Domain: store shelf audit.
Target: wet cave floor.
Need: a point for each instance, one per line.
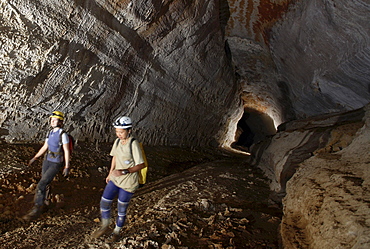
(193, 199)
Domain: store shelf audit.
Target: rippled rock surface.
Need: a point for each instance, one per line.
(321, 50)
(162, 63)
(321, 168)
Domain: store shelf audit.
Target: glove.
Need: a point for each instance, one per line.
(65, 172)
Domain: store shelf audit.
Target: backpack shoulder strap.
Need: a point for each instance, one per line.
(132, 140)
(116, 142)
(61, 139)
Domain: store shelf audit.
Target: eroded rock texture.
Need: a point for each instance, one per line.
(247, 36)
(321, 168)
(165, 63)
(299, 140)
(327, 202)
(313, 62)
(161, 62)
(321, 51)
(297, 59)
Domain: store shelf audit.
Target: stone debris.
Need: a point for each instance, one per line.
(198, 207)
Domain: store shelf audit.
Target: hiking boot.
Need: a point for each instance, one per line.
(115, 237)
(33, 214)
(102, 230)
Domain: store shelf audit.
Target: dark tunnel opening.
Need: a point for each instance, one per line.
(252, 128)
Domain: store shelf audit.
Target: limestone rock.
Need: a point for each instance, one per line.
(321, 51)
(280, 155)
(162, 63)
(327, 201)
(299, 59)
(323, 172)
(261, 91)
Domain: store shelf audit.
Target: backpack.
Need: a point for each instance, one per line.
(71, 143)
(143, 172)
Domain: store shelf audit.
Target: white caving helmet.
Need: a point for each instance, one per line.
(123, 123)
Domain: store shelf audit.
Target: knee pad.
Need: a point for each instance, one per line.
(122, 207)
(105, 204)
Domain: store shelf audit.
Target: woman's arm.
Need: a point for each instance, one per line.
(112, 169)
(120, 172)
(136, 168)
(67, 155)
(67, 158)
(42, 150)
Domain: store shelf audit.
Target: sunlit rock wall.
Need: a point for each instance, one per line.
(161, 62)
(322, 52)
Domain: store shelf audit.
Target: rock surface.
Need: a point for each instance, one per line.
(298, 59)
(247, 34)
(321, 166)
(321, 51)
(296, 141)
(161, 62)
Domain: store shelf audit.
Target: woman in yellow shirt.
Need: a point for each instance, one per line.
(122, 179)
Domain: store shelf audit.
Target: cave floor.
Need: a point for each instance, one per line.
(193, 199)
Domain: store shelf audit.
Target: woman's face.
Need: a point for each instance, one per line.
(122, 133)
(54, 122)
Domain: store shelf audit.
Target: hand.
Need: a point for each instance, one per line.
(116, 173)
(120, 172)
(65, 172)
(31, 161)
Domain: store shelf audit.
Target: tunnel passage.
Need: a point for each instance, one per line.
(252, 127)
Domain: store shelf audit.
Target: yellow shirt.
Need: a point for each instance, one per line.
(127, 157)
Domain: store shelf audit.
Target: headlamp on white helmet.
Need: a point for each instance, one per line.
(123, 123)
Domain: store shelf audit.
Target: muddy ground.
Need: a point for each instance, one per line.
(193, 199)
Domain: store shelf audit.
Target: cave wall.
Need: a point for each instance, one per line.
(321, 51)
(161, 62)
(319, 163)
(319, 170)
(279, 156)
(297, 59)
(327, 200)
(247, 35)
